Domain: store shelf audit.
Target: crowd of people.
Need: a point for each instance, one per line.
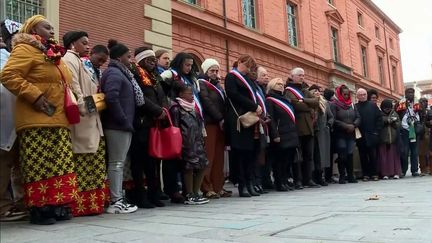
(280, 134)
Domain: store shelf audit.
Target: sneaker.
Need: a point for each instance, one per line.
(365, 178)
(396, 177)
(121, 207)
(385, 178)
(201, 200)
(13, 214)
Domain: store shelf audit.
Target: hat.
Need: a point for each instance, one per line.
(72, 36)
(386, 103)
(314, 86)
(208, 63)
(31, 22)
(116, 49)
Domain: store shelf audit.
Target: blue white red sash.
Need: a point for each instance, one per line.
(212, 86)
(286, 107)
(243, 80)
(261, 103)
(297, 93)
(198, 106)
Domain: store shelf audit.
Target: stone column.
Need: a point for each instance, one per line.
(160, 35)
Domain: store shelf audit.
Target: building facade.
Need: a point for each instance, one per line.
(335, 41)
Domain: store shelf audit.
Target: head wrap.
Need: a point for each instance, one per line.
(72, 36)
(208, 63)
(144, 54)
(386, 103)
(340, 97)
(117, 49)
(31, 22)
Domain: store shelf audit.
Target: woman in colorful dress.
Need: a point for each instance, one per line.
(88, 144)
(36, 74)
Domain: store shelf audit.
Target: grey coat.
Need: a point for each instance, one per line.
(323, 127)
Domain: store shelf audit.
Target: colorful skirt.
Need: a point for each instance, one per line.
(93, 191)
(47, 166)
(389, 160)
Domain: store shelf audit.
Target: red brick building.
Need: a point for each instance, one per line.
(335, 41)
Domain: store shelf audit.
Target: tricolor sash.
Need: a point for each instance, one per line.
(261, 103)
(243, 80)
(284, 106)
(212, 86)
(297, 93)
(198, 106)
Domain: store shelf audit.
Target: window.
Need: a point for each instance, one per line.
(360, 19)
(381, 69)
(191, 1)
(377, 33)
(292, 24)
(249, 13)
(391, 43)
(335, 44)
(364, 60)
(20, 10)
(394, 74)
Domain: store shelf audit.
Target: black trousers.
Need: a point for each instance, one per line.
(244, 162)
(283, 160)
(143, 163)
(171, 170)
(368, 158)
(266, 169)
(307, 148)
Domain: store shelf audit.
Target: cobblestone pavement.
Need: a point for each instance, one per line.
(338, 213)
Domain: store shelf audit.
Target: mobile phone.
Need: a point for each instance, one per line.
(50, 109)
(90, 104)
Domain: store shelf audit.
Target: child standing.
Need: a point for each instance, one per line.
(388, 156)
(194, 159)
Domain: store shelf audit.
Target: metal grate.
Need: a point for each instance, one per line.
(20, 10)
(248, 7)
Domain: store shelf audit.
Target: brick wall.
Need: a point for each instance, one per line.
(121, 20)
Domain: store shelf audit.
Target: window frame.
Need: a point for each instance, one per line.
(381, 74)
(364, 60)
(253, 17)
(20, 10)
(295, 17)
(360, 21)
(335, 43)
(391, 43)
(377, 32)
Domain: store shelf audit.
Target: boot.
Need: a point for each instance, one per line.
(42, 216)
(319, 178)
(138, 196)
(350, 169)
(252, 191)
(154, 198)
(281, 187)
(62, 212)
(242, 191)
(341, 168)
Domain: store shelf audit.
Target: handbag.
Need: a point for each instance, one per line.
(99, 100)
(165, 143)
(70, 103)
(246, 120)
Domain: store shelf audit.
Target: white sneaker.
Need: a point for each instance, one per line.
(385, 178)
(396, 177)
(121, 207)
(196, 200)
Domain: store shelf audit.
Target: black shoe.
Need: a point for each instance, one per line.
(157, 203)
(163, 196)
(312, 184)
(62, 213)
(258, 189)
(268, 186)
(39, 216)
(352, 180)
(342, 181)
(323, 183)
(243, 192)
(263, 190)
(298, 186)
(252, 191)
(290, 188)
(281, 188)
(415, 174)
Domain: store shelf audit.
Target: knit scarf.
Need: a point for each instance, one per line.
(186, 105)
(139, 96)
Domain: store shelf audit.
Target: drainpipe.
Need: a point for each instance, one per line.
(388, 59)
(226, 39)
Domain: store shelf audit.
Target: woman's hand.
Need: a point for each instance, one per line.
(276, 140)
(162, 115)
(259, 110)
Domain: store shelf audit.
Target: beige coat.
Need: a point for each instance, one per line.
(86, 135)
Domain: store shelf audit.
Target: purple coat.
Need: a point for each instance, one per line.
(119, 98)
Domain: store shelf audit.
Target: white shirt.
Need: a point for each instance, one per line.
(409, 113)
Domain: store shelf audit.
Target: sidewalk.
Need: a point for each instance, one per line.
(338, 213)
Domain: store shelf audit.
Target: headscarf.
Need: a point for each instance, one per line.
(30, 23)
(340, 97)
(72, 36)
(386, 103)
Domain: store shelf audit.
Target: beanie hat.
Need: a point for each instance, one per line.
(208, 63)
(72, 36)
(116, 49)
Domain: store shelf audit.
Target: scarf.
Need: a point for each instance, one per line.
(139, 96)
(340, 100)
(186, 105)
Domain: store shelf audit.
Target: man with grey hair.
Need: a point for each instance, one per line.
(370, 129)
(305, 104)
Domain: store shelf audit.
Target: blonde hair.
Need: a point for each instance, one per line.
(272, 84)
(31, 22)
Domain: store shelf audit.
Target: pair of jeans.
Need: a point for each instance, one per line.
(409, 149)
(118, 143)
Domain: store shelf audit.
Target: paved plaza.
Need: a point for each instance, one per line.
(338, 213)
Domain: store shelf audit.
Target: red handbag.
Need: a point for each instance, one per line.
(70, 103)
(165, 143)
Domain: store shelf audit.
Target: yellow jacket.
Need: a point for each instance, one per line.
(28, 76)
